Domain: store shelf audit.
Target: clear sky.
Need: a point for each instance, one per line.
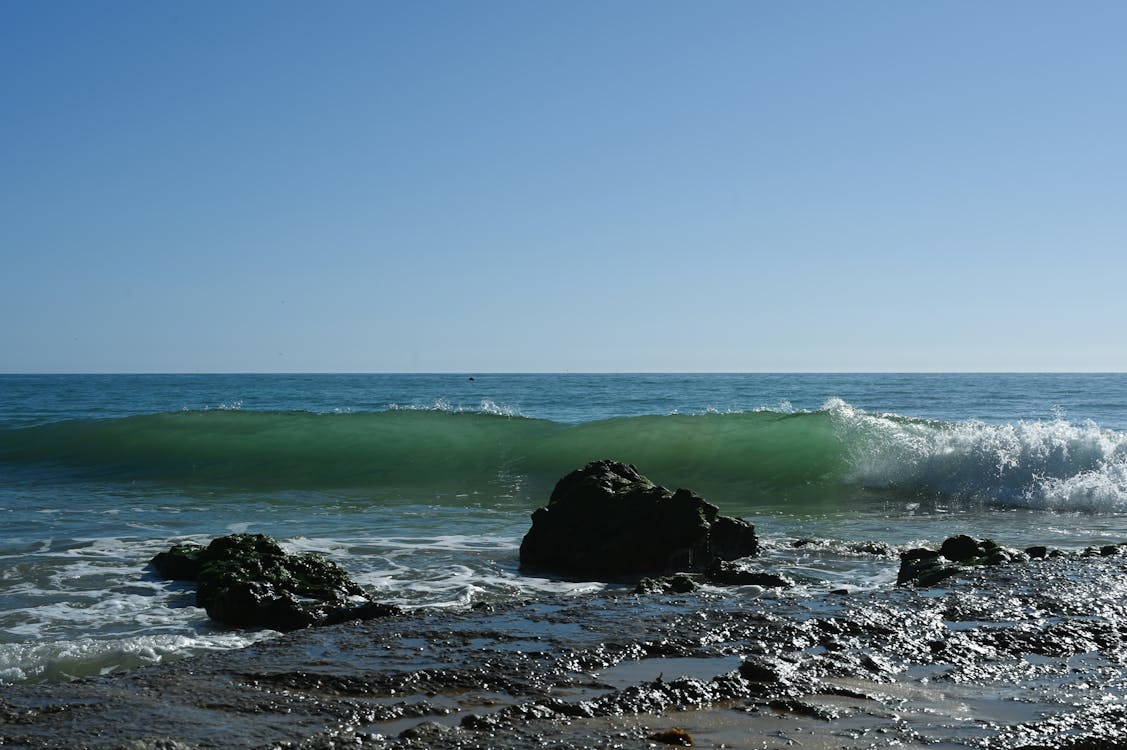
(562, 186)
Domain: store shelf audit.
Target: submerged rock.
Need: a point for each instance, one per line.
(606, 521)
(720, 573)
(247, 580)
(724, 573)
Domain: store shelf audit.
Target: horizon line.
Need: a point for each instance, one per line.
(554, 372)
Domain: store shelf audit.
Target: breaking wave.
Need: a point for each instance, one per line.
(763, 456)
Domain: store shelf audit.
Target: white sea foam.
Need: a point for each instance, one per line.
(1054, 463)
(1100, 489)
(488, 406)
(485, 406)
(439, 570)
(80, 607)
(783, 407)
(447, 542)
(89, 656)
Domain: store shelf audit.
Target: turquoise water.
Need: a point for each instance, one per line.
(422, 484)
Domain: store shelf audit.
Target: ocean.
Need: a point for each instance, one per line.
(422, 485)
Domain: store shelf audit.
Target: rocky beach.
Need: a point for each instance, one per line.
(1017, 655)
(976, 645)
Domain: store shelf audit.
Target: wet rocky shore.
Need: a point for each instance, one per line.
(1022, 654)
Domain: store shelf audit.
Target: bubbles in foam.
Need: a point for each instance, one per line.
(1053, 463)
(489, 406)
(1101, 489)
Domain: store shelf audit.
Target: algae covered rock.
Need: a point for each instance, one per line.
(248, 580)
(180, 563)
(608, 521)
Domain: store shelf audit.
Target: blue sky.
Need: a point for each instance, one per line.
(562, 186)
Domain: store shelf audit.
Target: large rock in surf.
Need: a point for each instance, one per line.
(247, 580)
(608, 521)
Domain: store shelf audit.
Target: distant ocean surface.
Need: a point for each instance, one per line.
(422, 485)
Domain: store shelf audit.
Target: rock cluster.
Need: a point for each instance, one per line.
(247, 580)
(721, 573)
(608, 521)
(926, 567)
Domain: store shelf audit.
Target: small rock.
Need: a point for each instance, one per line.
(678, 737)
(725, 573)
(765, 669)
(678, 584)
(959, 548)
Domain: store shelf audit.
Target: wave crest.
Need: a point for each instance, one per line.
(1053, 464)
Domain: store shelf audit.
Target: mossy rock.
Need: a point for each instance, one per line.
(607, 521)
(248, 580)
(180, 563)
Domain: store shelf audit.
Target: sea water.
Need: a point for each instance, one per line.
(422, 485)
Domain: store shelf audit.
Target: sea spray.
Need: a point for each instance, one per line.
(1053, 463)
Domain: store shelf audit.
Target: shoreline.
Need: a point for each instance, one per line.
(1010, 656)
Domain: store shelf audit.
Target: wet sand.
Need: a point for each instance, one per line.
(1017, 656)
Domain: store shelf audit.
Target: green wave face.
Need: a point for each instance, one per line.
(254, 450)
(759, 453)
(742, 461)
(443, 450)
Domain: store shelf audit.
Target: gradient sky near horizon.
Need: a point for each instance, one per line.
(562, 186)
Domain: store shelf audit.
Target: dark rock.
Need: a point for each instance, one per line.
(180, 563)
(606, 521)
(925, 567)
(721, 573)
(801, 708)
(254, 604)
(677, 584)
(765, 669)
(919, 564)
(677, 737)
(247, 580)
(937, 575)
(364, 611)
(878, 549)
(959, 548)
(1037, 553)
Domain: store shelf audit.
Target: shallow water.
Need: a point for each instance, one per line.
(422, 485)
(1029, 654)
